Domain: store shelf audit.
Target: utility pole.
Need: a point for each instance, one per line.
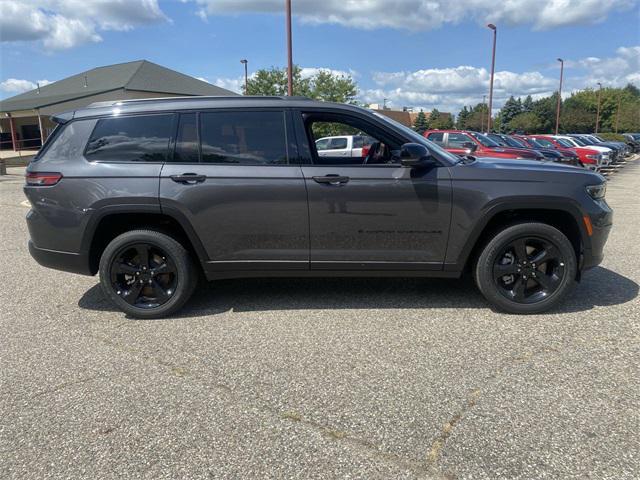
(289, 51)
(493, 67)
(598, 110)
(484, 104)
(246, 77)
(559, 95)
(618, 111)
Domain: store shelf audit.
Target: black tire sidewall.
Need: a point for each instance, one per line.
(180, 256)
(486, 260)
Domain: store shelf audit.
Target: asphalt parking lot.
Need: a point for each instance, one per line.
(341, 378)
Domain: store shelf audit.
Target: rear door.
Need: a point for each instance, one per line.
(232, 182)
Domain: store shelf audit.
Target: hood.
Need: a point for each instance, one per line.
(523, 152)
(520, 165)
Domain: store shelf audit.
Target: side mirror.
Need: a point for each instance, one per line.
(470, 146)
(415, 155)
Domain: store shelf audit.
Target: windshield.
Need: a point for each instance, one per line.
(417, 138)
(579, 141)
(484, 140)
(515, 142)
(496, 138)
(566, 143)
(541, 142)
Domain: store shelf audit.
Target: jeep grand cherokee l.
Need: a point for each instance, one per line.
(154, 193)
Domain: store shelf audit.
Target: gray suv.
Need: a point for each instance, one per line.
(154, 194)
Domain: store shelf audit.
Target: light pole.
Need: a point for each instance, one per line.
(484, 103)
(493, 67)
(246, 78)
(559, 95)
(618, 112)
(598, 110)
(289, 51)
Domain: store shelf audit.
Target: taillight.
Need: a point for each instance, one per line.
(365, 150)
(42, 179)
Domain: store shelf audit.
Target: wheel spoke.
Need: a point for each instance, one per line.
(142, 252)
(123, 267)
(160, 293)
(547, 282)
(505, 269)
(518, 290)
(520, 249)
(544, 255)
(163, 268)
(132, 295)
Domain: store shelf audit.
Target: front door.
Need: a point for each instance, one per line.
(232, 181)
(371, 212)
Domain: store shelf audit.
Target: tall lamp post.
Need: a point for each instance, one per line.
(598, 108)
(493, 67)
(559, 96)
(289, 51)
(484, 104)
(246, 77)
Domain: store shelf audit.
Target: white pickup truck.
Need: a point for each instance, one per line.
(343, 146)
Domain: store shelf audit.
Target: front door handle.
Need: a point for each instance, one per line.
(188, 178)
(332, 179)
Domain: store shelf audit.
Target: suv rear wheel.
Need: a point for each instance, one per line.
(526, 268)
(147, 274)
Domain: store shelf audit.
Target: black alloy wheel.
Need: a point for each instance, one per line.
(528, 270)
(143, 275)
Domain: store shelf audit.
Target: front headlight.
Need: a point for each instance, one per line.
(597, 192)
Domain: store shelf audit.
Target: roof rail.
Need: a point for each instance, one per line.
(192, 98)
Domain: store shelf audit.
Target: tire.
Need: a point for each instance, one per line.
(522, 281)
(147, 285)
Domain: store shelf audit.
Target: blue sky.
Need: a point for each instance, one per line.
(414, 52)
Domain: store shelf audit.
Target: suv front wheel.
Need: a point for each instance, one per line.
(526, 268)
(147, 274)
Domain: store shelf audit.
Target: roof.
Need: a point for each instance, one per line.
(151, 105)
(140, 75)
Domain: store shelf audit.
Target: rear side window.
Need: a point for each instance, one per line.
(244, 138)
(457, 140)
(140, 138)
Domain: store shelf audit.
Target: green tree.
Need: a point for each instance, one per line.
(324, 85)
(463, 116)
(527, 105)
(545, 109)
(439, 120)
(525, 122)
(421, 124)
(511, 108)
(477, 119)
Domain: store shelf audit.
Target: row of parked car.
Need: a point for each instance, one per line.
(587, 150)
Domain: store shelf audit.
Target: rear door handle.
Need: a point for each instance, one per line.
(332, 179)
(188, 178)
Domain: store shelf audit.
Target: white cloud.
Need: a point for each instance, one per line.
(451, 88)
(62, 24)
(427, 14)
(614, 71)
(14, 85)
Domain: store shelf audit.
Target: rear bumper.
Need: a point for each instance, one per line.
(65, 261)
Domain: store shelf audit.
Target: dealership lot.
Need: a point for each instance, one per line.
(340, 378)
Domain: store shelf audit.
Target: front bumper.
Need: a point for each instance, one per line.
(601, 220)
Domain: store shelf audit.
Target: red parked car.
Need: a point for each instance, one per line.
(592, 159)
(462, 142)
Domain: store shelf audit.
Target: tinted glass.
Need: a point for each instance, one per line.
(543, 142)
(187, 147)
(338, 144)
(322, 144)
(457, 140)
(142, 138)
(497, 138)
(244, 138)
(357, 141)
(484, 140)
(437, 137)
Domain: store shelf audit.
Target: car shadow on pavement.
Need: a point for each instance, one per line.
(599, 287)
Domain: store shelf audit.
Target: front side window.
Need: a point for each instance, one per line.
(140, 138)
(339, 143)
(243, 138)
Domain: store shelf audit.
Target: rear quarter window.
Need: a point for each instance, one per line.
(67, 142)
(139, 138)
